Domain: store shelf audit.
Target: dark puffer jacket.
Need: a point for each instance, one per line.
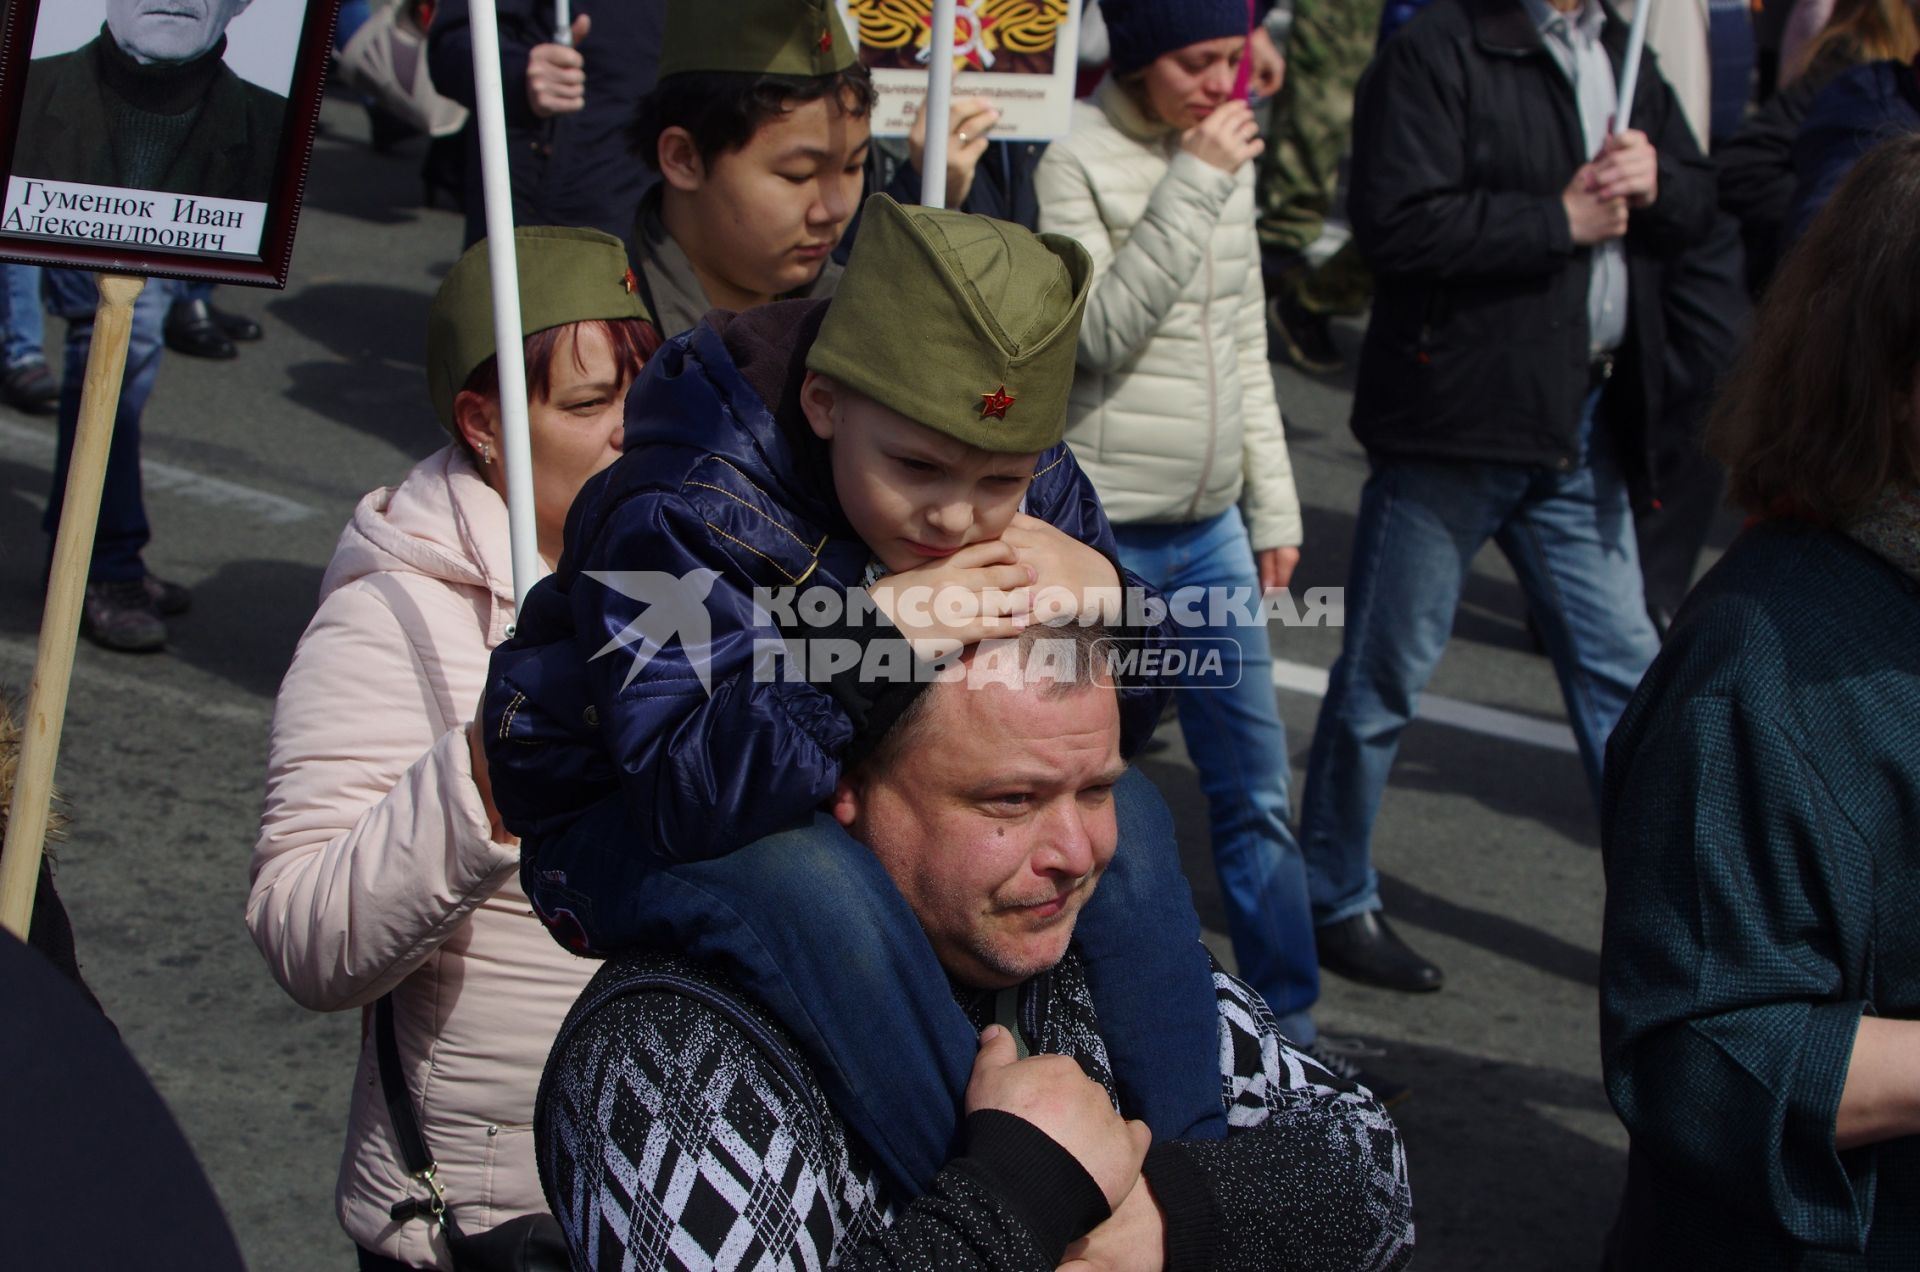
(1856, 111)
(1465, 134)
(708, 758)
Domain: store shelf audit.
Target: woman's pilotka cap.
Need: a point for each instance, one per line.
(567, 275)
(1138, 31)
(962, 323)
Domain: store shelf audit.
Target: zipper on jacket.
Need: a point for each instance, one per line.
(1213, 390)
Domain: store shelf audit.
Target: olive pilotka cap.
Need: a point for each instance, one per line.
(755, 37)
(962, 323)
(566, 276)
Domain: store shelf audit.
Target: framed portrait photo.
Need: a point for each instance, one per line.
(164, 137)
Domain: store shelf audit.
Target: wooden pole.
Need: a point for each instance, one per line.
(66, 588)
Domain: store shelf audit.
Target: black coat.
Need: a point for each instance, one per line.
(230, 153)
(1465, 134)
(1755, 169)
(571, 169)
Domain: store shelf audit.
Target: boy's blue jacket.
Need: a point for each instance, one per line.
(713, 487)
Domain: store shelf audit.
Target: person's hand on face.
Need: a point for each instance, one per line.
(151, 31)
(1269, 66)
(1071, 1109)
(1227, 138)
(968, 123)
(1069, 576)
(557, 75)
(955, 601)
(1133, 1240)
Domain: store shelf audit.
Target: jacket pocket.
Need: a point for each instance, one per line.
(509, 1182)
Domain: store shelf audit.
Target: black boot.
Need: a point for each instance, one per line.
(190, 329)
(234, 326)
(1363, 948)
(1305, 337)
(121, 616)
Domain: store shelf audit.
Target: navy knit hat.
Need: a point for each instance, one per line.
(1141, 30)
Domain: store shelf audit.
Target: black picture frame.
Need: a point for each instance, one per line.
(287, 189)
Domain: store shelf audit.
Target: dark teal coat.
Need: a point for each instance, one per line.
(1761, 828)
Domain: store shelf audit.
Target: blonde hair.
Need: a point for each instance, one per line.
(1862, 31)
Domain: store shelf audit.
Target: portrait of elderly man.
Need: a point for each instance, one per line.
(150, 104)
(678, 1125)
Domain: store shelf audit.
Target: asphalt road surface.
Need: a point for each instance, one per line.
(1487, 843)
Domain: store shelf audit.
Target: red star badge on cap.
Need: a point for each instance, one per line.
(826, 39)
(993, 406)
(631, 283)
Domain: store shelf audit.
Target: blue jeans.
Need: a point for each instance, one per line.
(122, 530)
(1568, 536)
(1239, 745)
(811, 927)
(22, 327)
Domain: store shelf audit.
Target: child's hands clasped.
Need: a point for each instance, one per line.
(951, 602)
(1070, 578)
(1034, 572)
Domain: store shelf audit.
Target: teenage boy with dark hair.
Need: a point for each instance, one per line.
(758, 128)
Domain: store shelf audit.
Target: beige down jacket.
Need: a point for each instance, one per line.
(375, 869)
(1173, 412)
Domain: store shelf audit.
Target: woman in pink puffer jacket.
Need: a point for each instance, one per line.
(381, 867)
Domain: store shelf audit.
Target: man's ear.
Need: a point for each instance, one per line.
(680, 164)
(845, 803)
(476, 418)
(818, 398)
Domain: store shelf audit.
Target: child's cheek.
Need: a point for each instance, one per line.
(994, 519)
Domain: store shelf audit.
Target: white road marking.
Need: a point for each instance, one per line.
(35, 446)
(17, 660)
(1509, 725)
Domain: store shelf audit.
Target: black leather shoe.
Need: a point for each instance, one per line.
(31, 388)
(234, 326)
(190, 329)
(1363, 948)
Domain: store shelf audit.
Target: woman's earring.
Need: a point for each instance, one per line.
(486, 453)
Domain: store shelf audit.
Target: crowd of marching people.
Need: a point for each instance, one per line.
(678, 946)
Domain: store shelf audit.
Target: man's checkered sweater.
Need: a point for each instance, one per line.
(678, 1128)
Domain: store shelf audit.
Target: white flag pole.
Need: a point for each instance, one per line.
(504, 262)
(1630, 66)
(563, 23)
(933, 180)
